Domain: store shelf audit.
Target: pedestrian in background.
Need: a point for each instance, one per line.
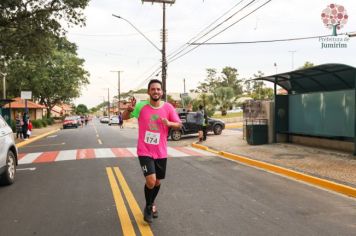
(121, 121)
(29, 131)
(19, 123)
(199, 117)
(205, 126)
(25, 125)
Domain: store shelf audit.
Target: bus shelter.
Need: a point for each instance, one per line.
(320, 102)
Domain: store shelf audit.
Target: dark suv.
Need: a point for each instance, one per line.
(190, 127)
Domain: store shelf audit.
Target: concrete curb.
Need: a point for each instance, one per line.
(326, 184)
(233, 126)
(24, 143)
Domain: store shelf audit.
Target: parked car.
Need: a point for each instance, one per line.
(104, 119)
(114, 120)
(8, 154)
(190, 127)
(70, 121)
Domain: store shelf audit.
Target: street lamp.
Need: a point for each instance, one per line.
(163, 51)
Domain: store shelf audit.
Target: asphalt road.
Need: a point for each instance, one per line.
(201, 195)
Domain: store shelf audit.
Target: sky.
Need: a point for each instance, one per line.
(109, 44)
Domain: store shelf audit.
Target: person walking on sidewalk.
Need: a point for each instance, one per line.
(205, 126)
(29, 131)
(25, 125)
(19, 123)
(199, 116)
(155, 118)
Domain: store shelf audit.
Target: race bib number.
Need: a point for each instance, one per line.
(152, 138)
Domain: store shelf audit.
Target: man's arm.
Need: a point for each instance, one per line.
(173, 125)
(126, 114)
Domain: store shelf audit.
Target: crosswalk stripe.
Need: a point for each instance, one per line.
(29, 158)
(133, 151)
(187, 151)
(67, 155)
(85, 153)
(175, 153)
(202, 152)
(46, 157)
(121, 152)
(104, 153)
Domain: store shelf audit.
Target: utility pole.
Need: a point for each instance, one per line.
(164, 62)
(294, 51)
(109, 103)
(184, 84)
(4, 85)
(118, 87)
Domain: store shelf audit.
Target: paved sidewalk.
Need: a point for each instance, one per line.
(37, 132)
(327, 164)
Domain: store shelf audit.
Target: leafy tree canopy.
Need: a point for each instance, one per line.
(26, 25)
(81, 109)
(55, 79)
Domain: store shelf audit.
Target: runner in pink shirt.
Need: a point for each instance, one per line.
(155, 118)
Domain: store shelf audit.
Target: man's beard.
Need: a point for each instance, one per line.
(155, 99)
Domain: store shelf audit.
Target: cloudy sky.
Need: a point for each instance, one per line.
(108, 44)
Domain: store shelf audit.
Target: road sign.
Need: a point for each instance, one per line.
(161, 1)
(184, 95)
(26, 94)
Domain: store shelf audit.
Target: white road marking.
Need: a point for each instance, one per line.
(133, 151)
(31, 169)
(99, 141)
(67, 155)
(104, 153)
(175, 153)
(52, 136)
(29, 158)
(205, 153)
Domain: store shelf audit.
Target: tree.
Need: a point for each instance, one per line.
(223, 97)
(81, 109)
(257, 89)
(52, 80)
(306, 65)
(210, 83)
(27, 25)
(207, 101)
(229, 79)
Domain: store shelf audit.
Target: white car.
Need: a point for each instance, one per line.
(114, 120)
(104, 119)
(8, 154)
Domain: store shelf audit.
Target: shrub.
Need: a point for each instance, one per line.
(50, 121)
(37, 124)
(44, 122)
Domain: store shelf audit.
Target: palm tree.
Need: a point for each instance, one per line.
(223, 98)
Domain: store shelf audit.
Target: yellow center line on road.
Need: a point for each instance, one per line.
(144, 228)
(126, 225)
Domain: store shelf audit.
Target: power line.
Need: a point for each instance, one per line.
(176, 58)
(218, 25)
(185, 45)
(263, 41)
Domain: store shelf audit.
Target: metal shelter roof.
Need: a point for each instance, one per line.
(326, 77)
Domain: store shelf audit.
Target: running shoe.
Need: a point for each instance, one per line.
(154, 211)
(147, 214)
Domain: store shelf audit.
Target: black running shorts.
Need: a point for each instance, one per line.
(153, 166)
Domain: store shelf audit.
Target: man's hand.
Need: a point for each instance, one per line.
(132, 104)
(166, 122)
(130, 108)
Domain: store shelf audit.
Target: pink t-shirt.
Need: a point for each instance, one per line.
(152, 136)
